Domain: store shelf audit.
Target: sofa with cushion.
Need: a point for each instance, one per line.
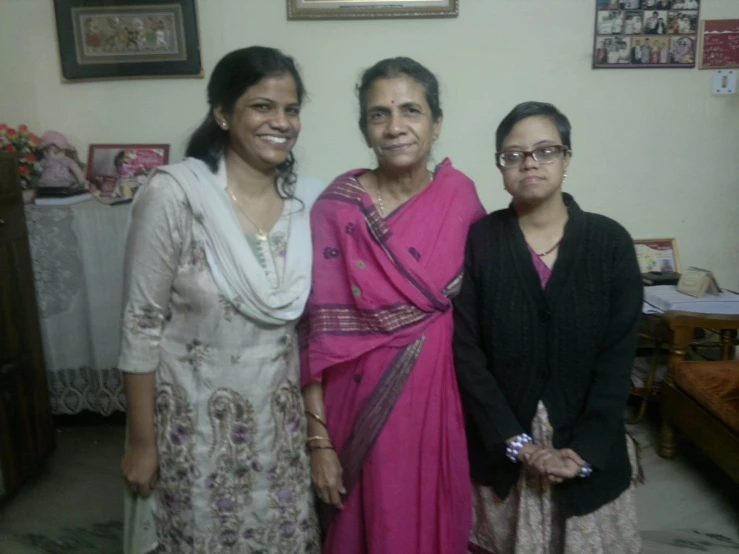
(700, 399)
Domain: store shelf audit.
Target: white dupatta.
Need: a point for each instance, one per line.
(235, 269)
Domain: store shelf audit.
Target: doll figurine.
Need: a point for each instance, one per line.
(60, 166)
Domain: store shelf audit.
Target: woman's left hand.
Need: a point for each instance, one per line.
(564, 464)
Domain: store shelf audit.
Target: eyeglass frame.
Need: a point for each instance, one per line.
(563, 150)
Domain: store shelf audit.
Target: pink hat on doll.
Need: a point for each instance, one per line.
(55, 138)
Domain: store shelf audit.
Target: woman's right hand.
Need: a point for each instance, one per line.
(535, 457)
(327, 474)
(140, 468)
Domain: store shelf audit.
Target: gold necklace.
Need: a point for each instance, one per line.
(261, 233)
(381, 204)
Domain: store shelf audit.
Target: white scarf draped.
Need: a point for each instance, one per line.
(234, 266)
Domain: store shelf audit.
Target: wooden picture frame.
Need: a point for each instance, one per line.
(117, 170)
(657, 255)
(370, 9)
(127, 39)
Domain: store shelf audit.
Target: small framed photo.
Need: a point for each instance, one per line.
(682, 23)
(613, 50)
(655, 22)
(620, 4)
(657, 255)
(370, 9)
(634, 24)
(127, 39)
(116, 171)
(682, 50)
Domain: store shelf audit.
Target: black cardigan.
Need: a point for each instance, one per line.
(571, 346)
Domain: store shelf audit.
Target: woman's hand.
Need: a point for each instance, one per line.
(327, 474)
(564, 464)
(140, 467)
(555, 465)
(535, 458)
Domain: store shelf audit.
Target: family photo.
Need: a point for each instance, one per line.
(648, 4)
(118, 170)
(650, 51)
(641, 33)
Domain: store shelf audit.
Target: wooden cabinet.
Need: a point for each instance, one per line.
(26, 426)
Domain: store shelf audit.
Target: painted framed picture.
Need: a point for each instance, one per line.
(657, 255)
(641, 34)
(116, 171)
(370, 9)
(127, 39)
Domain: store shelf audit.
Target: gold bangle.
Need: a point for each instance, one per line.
(312, 448)
(317, 438)
(317, 418)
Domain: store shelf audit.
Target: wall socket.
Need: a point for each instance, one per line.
(724, 81)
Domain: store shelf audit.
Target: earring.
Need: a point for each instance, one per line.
(224, 125)
(564, 177)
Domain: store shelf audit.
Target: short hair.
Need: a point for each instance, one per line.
(534, 109)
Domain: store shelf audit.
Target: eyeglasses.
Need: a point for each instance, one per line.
(543, 155)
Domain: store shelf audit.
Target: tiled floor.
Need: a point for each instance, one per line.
(687, 505)
(75, 506)
(684, 500)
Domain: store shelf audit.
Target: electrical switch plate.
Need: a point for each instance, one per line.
(724, 81)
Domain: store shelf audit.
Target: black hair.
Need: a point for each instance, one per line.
(534, 109)
(396, 67)
(232, 76)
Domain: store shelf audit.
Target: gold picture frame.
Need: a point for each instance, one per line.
(370, 9)
(657, 255)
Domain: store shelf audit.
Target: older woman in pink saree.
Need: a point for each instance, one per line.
(386, 431)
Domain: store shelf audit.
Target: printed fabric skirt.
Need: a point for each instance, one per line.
(530, 520)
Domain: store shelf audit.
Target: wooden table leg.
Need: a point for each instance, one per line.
(649, 386)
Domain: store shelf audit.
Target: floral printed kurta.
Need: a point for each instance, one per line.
(234, 473)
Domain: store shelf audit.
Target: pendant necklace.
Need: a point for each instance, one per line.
(261, 233)
(552, 249)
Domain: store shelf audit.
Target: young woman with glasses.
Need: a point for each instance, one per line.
(546, 326)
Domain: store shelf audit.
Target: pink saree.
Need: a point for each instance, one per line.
(377, 333)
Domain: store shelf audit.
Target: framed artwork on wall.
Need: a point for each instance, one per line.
(117, 170)
(127, 39)
(370, 9)
(657, 255)
(645, 34)
(719, 44)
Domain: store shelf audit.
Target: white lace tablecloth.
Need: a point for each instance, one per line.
(77, 254)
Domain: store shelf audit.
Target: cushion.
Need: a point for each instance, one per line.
(714, 385)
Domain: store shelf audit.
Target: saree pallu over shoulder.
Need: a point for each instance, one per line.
(382, 281)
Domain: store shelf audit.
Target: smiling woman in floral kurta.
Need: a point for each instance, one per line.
(216, 420)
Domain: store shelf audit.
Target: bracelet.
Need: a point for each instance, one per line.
(317, 418)
(585, 470)
(312, 448)
(514, 449)
(317, 438)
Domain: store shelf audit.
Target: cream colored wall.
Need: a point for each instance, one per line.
(653, 148)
